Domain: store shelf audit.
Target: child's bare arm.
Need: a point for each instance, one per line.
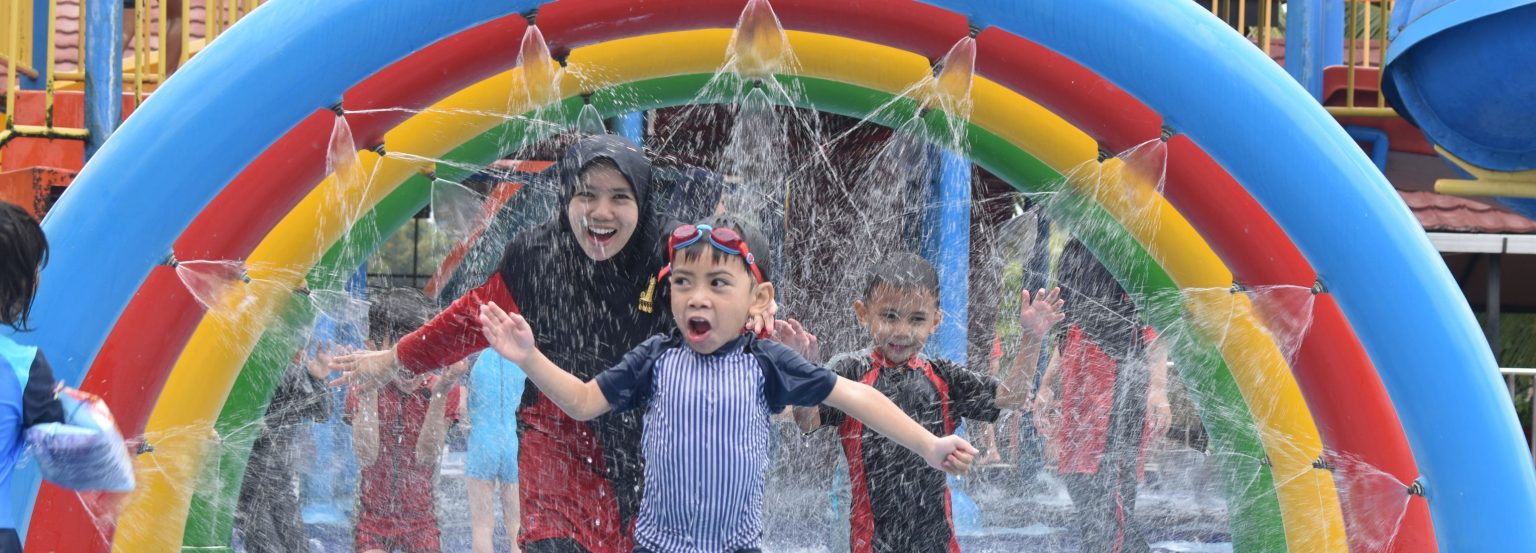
(951, 453)
(434, 429)
(1036, 316)
(365, 426)
(511, 336)
(807, 418)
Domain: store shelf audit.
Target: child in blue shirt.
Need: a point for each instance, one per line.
(26, 380)
(495, 390)
(708, 390)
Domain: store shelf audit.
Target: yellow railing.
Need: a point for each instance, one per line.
(1365, 42)
(143, 71)
(1365, 47)
(17, 48)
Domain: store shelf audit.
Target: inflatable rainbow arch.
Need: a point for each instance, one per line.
(1263, 188)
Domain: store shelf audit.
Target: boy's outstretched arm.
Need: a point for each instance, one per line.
(510, 336)
(950, 454)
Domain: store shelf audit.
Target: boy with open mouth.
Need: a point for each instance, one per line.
(708, 390)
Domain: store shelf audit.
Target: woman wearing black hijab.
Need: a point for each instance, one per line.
(587, 281)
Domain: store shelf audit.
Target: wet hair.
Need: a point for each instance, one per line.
(904, 271)
(395, 312)
(1096, 303)
(23, 252)
(756, 244)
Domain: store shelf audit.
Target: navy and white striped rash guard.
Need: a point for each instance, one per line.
(707, 435)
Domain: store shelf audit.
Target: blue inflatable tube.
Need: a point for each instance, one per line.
(1210, 84)
(127, 209)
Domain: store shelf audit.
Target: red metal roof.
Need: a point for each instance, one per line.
(1438, 212)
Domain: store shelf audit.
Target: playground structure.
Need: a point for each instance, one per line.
(1393, 374)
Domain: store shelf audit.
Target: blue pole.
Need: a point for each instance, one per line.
(39, 46)
(1314, 39)
(631, 126)
(948, 246)
(950, 253)
(103, 72)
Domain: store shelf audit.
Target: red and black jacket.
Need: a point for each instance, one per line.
(900, 504)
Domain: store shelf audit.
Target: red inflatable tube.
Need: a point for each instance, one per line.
(905, 24)
(138, 355)
(1355, 417)
(1335, 376)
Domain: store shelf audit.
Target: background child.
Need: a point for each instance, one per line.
(495, 390)
(398, 431)
(268, 513)
(26, 378)
(898, 506)
(709, 389)
(1113, 399)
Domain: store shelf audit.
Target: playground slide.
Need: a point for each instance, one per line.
(1464, 71)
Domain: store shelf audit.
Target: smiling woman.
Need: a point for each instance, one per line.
(599, 307)
(603, 212)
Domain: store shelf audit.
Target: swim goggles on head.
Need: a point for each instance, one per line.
(723, 239)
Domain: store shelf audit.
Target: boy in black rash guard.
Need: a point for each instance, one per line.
(897, 506)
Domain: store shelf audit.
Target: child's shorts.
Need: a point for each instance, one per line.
(492, 457)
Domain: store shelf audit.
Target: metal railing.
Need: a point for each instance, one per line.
(143, 70)
(14, 55)
(1364, 44)
(1365, 48)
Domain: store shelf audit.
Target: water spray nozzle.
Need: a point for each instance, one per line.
(378, 149)
(1319, 287)
(532, 15)
(1105, 155)
(1238, 288)
(1167, 133)
(170, 260)
(1321, 463)
(1416, 488)
(974, 28)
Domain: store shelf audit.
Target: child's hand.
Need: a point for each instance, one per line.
(366, 369)
(791, 334)
(951, 454)
(451, 376)
(1037, 315)
(319, 365)
(508, 333)
(764, 322)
